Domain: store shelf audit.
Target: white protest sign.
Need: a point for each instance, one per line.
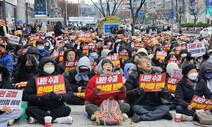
(196, 49)
(13, 39)
(11, 98)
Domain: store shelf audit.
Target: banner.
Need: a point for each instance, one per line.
(109, 84)
(60, 55)
(177, 73)
(11, 98)
(123, 55)
(14, 39)
(114, 59)
(161, 55)
(70, 65)
(85, 37)
(172, 84)
(201, 103)
(196, 49)
(48, 84)
(152, 82)
(85, 48)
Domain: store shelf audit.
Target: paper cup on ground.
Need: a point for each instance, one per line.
(178, 117)
(48, 121)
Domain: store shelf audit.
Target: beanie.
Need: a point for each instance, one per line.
(187, 68)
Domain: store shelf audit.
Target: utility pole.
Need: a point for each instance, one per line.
(4, 12)
(66, 14)
(27, 11)
(172, 16)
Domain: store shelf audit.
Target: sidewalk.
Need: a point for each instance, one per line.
(79, 120)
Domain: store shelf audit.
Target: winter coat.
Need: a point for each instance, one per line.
(7, 61)
(185, 92)
(30, 90)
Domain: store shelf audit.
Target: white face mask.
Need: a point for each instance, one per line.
(49, 70)
(193, 76)
(183, 55)
(40, 47)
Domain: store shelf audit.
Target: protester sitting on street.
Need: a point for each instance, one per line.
(104, 68)
(146, 106)
(187, 87)
(41, 47)
(78, 79)
(38, 106)
(7, 114)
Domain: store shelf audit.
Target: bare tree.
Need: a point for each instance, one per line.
(135, 17)
(112, 7)
(196, 10)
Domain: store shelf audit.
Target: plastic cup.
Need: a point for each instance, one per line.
(48, 121)
(178, 117)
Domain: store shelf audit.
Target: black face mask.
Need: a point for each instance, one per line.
(84, 71)
(29, 68)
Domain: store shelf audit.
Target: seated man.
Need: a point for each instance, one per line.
(38, 106)
(146, 106)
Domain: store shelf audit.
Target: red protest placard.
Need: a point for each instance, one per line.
(167, 47)
(179, 48)
(109, 84)
(48, 84)
(106, 47)
(172, 84)
(34, 38)
(139, 45)
(152, 82)
(85, 48)
(93, 64)
(55, 54)
(80, 94)
(161, 55)
(114, 59)
(123, 55)
(177, 73)
(60, 55)
(201, 103)
(2, 23)
(85, 37)
(70, 65)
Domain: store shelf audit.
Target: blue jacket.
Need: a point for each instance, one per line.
(7, 61)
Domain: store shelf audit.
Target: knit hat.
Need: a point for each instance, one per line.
(187, 68)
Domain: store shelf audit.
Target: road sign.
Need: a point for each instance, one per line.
(171, 12)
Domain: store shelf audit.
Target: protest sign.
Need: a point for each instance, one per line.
(93, 64)
(14, 39)
(11, 98)
(161, 55)
(85, 37)
(85, 48)
(2, 23)
(106, 47)
(196, 49)
(60, 55)
(167, 47)
(34, 38)
(80, 94)
(201, 103)
(48, 84)
(18, 32)
(55, 54)
(123, 55)
(177, 73)
(152, 82)
(139, 45)
(179, 48)
(70, 65)
(109, 84)
(172, 84)
(114, 59)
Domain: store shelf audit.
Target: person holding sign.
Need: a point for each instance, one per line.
(5, 59)
(92, 93)
(78, 79)
(187, 87)
(146, 106)
(7, 114)
(42, 94)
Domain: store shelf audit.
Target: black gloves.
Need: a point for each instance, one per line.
(189, 57)
(138, 91)
(50, 96)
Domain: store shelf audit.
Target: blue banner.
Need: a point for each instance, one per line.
(40, 7)
(208, 2)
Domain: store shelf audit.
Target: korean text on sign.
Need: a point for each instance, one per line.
(152, 82)
(196, 49)
(114, 59)
(11, 98)
(50, 83)
(160, 55)
(172, 84)
(70, 65)
(109, 84)
(201, 103)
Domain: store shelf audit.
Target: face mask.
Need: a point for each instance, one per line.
(183, 55)
(193, 76)
(40, 47)
(93, 54)
(29, 68)
(49, 70)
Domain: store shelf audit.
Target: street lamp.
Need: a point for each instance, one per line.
(26, 11)
(66, 21)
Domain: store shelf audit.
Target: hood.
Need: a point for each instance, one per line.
(67, 51)
(5, 72)
(105, 52)
(99, 68)
(126, 68)
(123, 47)
(83, 61)
(42, 62)
(206, 67)
(131, 50)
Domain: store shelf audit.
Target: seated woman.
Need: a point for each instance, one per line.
(78, 80)
(7, 114)
(189, 86)
(26, 70)
(104, 68)
(38, 106)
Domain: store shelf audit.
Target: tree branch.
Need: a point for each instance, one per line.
(117, 7)
(98, 8)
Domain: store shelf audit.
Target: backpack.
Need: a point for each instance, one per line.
(204, 118)
(109, 113)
